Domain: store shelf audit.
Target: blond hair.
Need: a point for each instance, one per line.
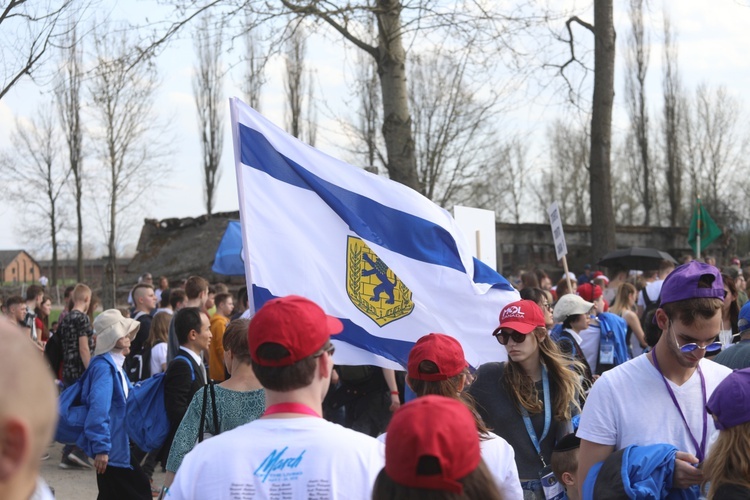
(728, 462)
(563, 375)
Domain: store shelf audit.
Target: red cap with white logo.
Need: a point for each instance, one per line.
(522, 316)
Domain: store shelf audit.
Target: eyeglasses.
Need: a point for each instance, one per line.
(712, 347)
(330, 349)
(547, 306)
(503, 337)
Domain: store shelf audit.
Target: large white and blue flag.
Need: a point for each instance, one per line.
(388, 262)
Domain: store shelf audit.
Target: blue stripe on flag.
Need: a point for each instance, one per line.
(485, 274)
(353, 334)
(401, 232)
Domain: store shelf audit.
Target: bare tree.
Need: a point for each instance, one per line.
(68, 99)
(398, 24)
(36, 180)
(27, 31)
(452, 125)
(311, 117)
(672, 123)
(128, 138)
(254, 71)
(600, 169)
(636, 63)
(208, 92)
(509, 173)
(294, 81)
(565, 180)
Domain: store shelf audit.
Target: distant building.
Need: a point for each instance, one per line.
(93, 270)
(17, 266)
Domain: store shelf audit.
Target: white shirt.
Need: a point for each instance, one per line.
(304, 457)
(42, 491)
(119, 360)
(158, 357)
(500, 459)
(653, 290)
(591, 337)
(629, 405)
(198, 359)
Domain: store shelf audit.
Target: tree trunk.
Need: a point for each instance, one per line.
(109, 287)
(602, 213)
(79, 263)
(391, 60)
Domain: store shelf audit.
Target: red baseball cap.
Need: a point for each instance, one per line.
(522, 316)
(432, 426)
(443, 350)
(296, 323)
(589, 292)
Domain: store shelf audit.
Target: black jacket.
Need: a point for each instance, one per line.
(180, 384)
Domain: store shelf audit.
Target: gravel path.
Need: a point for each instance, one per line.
(75, 484)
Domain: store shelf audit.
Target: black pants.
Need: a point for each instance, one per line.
(118, 483)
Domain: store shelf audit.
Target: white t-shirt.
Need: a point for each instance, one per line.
(500, 459)
(591, 337)
(158, 357)
(304, 457)
(629, 405)
(653, 290)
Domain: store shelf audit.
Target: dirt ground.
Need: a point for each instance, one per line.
(75, 484)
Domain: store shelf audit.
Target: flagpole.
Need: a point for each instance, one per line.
(698, 231)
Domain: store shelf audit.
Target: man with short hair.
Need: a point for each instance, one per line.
(77, 338)
(144, 300)
(177, 299)
(660, 397)
(34, 298)
(196, 290)
(219, 321)
(291, 450)
(28, 413)
(15, 309)
(185, 374)
(737, 356)
(652, 291)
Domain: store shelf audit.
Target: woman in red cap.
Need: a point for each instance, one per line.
(437, 366)
(432, 453)
(530, 399)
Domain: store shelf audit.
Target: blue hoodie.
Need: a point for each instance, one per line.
(104, 431)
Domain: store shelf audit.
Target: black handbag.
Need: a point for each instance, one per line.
(201, 430)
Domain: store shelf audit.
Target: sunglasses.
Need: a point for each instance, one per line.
(712, 347)
(503, 337)
(330, 349)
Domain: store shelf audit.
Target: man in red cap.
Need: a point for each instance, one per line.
(290, 452)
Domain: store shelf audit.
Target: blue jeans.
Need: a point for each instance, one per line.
(532, 489)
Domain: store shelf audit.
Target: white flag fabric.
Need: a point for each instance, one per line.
(384, 259)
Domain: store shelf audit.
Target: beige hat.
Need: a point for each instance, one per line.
(570, 305)
(109, 327)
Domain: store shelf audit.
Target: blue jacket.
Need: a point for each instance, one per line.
(614, 324)
(643, 472)
(104, 430)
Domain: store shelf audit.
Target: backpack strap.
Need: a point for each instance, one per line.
(192, 370)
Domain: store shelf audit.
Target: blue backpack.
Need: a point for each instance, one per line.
(73, 411)
(146, 414)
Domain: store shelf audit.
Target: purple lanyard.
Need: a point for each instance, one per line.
(700, 450)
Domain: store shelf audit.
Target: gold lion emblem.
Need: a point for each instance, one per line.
(373, 287)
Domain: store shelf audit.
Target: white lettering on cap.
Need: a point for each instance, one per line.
(513, 312)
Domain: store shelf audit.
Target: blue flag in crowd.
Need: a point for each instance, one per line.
(388, 262)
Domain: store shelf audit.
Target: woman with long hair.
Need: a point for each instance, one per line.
(727, 468)
(530, 399)
(437, 366)
(542, 299)
(730, 313)
(42, 318)
(624, 306)
(432, 452)
(157, 342)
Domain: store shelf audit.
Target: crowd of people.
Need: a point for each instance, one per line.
(607, 391)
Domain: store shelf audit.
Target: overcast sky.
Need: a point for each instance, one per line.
(712, 37)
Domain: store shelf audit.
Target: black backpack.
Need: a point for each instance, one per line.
(53, 352)
(650, 329)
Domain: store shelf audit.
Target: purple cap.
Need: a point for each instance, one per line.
(682, 283)
(730, 401)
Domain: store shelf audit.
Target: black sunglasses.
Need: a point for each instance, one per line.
(503, 337)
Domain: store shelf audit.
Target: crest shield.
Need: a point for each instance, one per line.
(372, 287)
